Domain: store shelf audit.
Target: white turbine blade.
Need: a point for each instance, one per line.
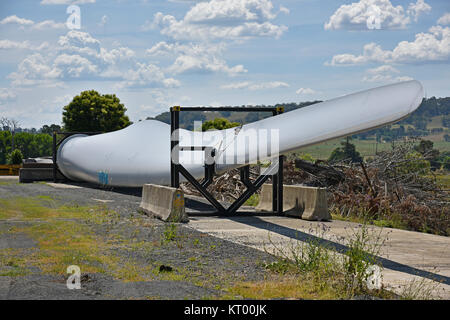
(140, 153)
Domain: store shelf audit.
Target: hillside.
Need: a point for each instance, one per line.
(431, 119)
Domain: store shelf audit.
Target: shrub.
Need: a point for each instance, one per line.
(15, 157)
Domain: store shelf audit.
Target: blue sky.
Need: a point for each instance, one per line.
(157, 53)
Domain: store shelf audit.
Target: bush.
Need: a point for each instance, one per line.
(15, 157)
(219, 124)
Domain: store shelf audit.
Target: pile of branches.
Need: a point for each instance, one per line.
(392, 187)
(226, 187)
(396, 187)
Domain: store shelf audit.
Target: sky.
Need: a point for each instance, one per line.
(154, 54)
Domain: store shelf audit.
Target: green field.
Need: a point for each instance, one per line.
(366, 148)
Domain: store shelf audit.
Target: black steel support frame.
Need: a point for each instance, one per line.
(251, 187)
(56, 144)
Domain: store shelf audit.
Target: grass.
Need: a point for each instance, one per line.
(394, 222)
(65, 236)
(10, 265)
(284, 287)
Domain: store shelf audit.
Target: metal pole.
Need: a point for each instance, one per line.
(176, 114)
(280, 186)
(172, 167)
(54, 156)
(275, 182)
(279, 176)
(174, 141)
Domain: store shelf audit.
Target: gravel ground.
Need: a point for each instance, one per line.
(199, 265)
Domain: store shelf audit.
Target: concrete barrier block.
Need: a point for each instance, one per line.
(163, 202)
(308, 203)
(37, 174)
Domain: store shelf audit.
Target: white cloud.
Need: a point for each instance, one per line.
(357, 15)
(195, 58)
(34, 70)
(80, 56)
(284, 10)
(218, 19)
(73, 66)
(255, 86)
(51, 2)
(46, 24)
(445, 19)
(306, 91)
(147, 76)
(427, 47)
(9, 44)
(16, 20)
(209, 27)
(230, 12)
(186, 64)
(384, 74)
(6, 94)
(236, 85)
(416, 9)
(65, 99)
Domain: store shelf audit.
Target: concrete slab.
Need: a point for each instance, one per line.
(406, 255)
(13, 178)
(63, 185)
(103, 200)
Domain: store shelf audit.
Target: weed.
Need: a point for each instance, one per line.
(253, 200)
(169, 234)
(344, 274)
(420, 289)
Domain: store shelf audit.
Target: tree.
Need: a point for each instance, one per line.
(425, 148)
(92, 112)
(346, 152)
(10, 125)
(219, 124)
(50, 129)
(30, 145)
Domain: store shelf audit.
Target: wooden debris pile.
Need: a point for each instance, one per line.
(395, 187)
(226, 187)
